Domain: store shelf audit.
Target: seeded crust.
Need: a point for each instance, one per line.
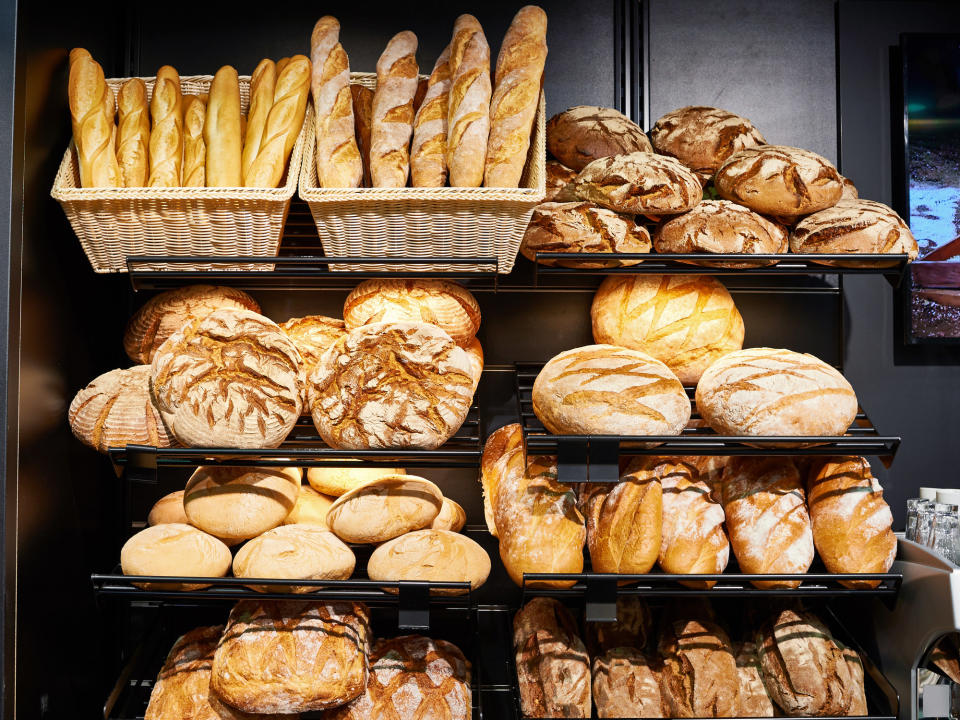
(585, 133)
(640, 183)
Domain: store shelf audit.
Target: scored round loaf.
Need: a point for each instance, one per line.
(699, 677)
(295, 552)
(164, 314)
(767, 391)
(779, 180)
(116, 410)
(174, 549)
(311, 508)
(558, 177)
(720, 226)
(609, 390)
(230, 379)
(391, 385)
(336, 481)
(383, 509)
(312, 335)
(451, 517)
(238, 503)
(475, 355)
(439, 302)
(431, 556)
(754, 699)
(855, 227)
(582, 227)
(584, 133)
(626, 683)
(168, 509)
(624, 526)
(684, 321)
(702, 137)
(641, 183)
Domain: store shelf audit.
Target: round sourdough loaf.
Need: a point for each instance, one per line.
(766, 391)
(685, 321)
(475, 355)
(311, 508)
(230, 379)
(431, 556)
(584, 133)
(238, 503)
(624, 526)
(582, 227)
(609, 390)
(174, 549)
(164, 314)
(336, 481)
(558, 177)
(720, 226)
(391, 385)
(385, 508)
(779, 180)
(168, 509)
(312, 335)
(641, 183)
(703, 137)
(451, 517)
(854, 226)
(116, 409)
(439, 302)
(294, 552)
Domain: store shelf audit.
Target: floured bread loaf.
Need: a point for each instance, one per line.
(312, 335)
(116, 410)
(684, 321)
(585, 133)
(558, 177)
(475, 355)
(391, 385)
(451, 517)
(624, 526)
(168, 509)
(167, 312)
(311, 508)
(604, 389)
(850, 191)
(336, 481)
(699, 677)
(385, 508)
(496, 454)
(703, 137)
(626, 683)
(432, 556)
(855, 694)
(754, 699)
(438, 302)
(640, 183)
(766, 391)
(294, 552)
(779, 180)
(174, 549)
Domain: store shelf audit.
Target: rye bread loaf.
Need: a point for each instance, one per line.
(626, 683)
(855, 694)
(640, 183)
(584, 133)
(699, 677)
(754, 699)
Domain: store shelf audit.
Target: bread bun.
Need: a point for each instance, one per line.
(295, 552)
(174, 549)
(385, 508)
(168, 509)
(432, 556)
(584, 133)
(336, 481)
(311, 508)
(451, 517)
(640, 184)
(558, 177)
(312, 335)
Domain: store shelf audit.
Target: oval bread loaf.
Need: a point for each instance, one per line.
(584, 133)
(754, 699)
(385, 508)
(624, 526)
(294, 552)
(312, 335)
(432, 556)
(496, 454)
(640, 183)
(168, 509)
(311, 508)
(626, 683)
(174, 549)
(451, 517)
(336, 481)
(699, 677)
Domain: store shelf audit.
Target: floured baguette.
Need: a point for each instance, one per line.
(428, 162)
(393, 112)
(263, 84)
(166, 137)
(468, 113)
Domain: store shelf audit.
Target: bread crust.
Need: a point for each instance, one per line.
(626, 683)
(468, 109)
(392, 119)
(639, 183)
(294, 552)
(428, 151)
(383, 509)
(584, 133)
(263, 84)
(431, 555)
(221, 131)
(699, 677)
(133, 133)
(166, 134)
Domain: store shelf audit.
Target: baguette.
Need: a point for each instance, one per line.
(133, 136)
(194, 146)
(263, 83)
(428, 162)
(468, 113)
(221, 131)
(166, 137)
(92, 128)
(362, 116)
(338, 157)
(283, 124)
(420, 94)
(519, 76)
(282, 63)
(393, 112)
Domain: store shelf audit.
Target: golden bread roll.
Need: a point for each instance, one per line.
(779, 180)
(640, 183)
(294, 552)
(166, 134)
(363, 117)
(468, 107)
(238, 503)
(168, 509)
(194, 147)
(93, 127)
(133, 133)
(385, 508)
(392, 118)
(624, 526)
(559, 176)
(496, 454)
(431, 556)
(292, 656)
(699, 677)
(311, 508)
(174, 549)
(221, 131)
(626, 683)
(445, 304)
(391, 385)
(230, 379)
(475, 355)
(116, 410)
(428, 150)
(584, 133)
(165, 313)
(263, 85)
(754, 699)
(604, 389)
(451, 517)
(312, 335)
(336, 481)
(632, 628)
(766, 391)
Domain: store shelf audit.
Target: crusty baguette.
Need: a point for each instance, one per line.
(362, 118)
(393, 111)
(283, 124)
(133, 136)
(221, 131)
(514, 104)
(194, 146)
(263, 83)
(428, 153)
(468, 110)
(93, 130)
(281, 64)
(166, 135)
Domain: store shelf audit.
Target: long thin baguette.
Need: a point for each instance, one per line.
(194, 146)
(468, 114)
(93, 131)
(133, 136)
(363, 117)
(166, 137)
(397, 73)
(263, 84)
(221, 130)
(428, 161)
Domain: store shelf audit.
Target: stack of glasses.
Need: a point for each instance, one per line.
(933, 520)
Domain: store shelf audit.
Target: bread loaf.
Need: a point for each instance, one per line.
(336, 481)
(559, 176)
(709, 469)
(767, 518)
(639, 183)
(428, 151)
(174, 549)
(168, 509)
(338, 157)
(386, 508)
(604, 389)
(194, 146)
(578, 136)
(475, 355)
(363, 117)
(855, 694)
(543, 614)
(230, 379)
(263, 85)
(431, 556)
(624, 526)
(294, 552)
(849, 189)
(166, 134)
(93, 129)
(518, 78)
(391, 385)
(468, 110)
(292, 656)
(779, 180)
(765, 391)
(451, 517)
(626, 683)
(221, 131)
(754, 699)
(392, 123)
(496, 454)
(851, 521)
(133, 133)
(699, 677)
(312, 335)
(310, 509)
(631, 629)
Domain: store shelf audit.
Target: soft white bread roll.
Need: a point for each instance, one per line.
(428, 152)
(174, 549)
(393, 111)
(432, 556)
(311, 508)
(468, 110)
(194, 146)
(516, 94)
(363, 117)
(93, 129)
(338, 157)
(385, 508)
(294, 552)
(168, 509)
(337, 481)
(133, 134)
(451, 517)
(166, 134)
(492, 463)
(263, 84)
(221, 130)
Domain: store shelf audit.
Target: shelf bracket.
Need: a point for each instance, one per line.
(573, 460)
(414, 606)
(604, 460)
(141, 464)
(601, 599)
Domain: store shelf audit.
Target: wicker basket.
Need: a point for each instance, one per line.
(115, 223)
(425, 222)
